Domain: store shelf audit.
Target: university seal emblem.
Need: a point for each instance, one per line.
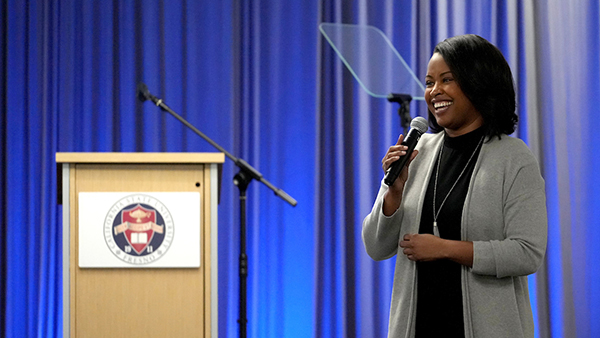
(138, 229)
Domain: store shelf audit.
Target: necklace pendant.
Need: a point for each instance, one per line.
(436, 231)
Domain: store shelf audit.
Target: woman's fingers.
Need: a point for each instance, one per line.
(394, 153)
(400, 139)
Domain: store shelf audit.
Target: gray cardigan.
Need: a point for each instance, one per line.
(504, 215)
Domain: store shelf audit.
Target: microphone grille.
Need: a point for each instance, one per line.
(420, 124)
(142, 92)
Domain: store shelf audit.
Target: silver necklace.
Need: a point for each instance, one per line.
(436, 231)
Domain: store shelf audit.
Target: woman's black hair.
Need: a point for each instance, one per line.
(484, 76)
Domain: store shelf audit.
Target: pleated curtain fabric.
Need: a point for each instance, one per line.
(258, 78)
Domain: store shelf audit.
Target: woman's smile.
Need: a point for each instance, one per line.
(441, 106)
(451, 108)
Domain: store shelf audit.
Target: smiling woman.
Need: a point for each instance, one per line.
(446, 101)
(478, 70)
(468, 215)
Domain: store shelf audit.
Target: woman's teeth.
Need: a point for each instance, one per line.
(438, 105)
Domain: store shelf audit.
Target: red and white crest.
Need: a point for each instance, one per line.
(140, 227)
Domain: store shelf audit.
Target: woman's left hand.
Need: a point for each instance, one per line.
(422, 247)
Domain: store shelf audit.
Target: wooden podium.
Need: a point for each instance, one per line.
(140, 302)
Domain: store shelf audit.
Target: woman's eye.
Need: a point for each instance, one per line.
(428, 83)
(448, 79)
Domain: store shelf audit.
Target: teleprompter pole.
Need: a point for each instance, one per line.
(403, 110)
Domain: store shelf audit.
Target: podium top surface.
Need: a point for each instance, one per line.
(186, 158)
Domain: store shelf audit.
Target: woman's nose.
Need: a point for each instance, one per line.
(435, 90)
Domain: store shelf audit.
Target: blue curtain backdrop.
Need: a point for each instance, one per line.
(257, 77)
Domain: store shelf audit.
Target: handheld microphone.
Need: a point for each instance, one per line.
(418, 127)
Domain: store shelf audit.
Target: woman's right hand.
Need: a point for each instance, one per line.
(394, 194)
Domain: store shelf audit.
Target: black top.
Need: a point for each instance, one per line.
(439, 295)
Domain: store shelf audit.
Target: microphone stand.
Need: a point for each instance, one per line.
(242, 179)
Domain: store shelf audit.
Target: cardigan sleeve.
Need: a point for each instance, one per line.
(522, 250)
(380, 233)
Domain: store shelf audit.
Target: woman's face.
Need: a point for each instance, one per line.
(446, 101)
